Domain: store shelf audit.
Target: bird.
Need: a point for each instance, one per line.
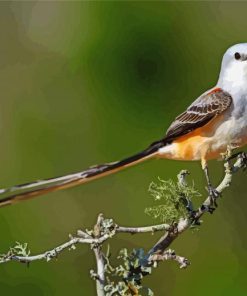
(216, 120)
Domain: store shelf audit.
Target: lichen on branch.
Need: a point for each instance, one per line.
(175, 210)
(173, 200)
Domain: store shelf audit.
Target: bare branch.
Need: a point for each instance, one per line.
(106, 228)
(100, 279)
(170, 255)
(134, 230)
(83, 238)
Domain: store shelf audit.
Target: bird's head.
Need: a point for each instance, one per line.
(233, 72)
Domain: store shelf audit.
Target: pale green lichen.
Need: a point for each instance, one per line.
(172, 200)
(18, 249)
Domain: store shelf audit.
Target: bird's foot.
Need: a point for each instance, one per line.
(213, 194)
(206, 208)
(243, 157)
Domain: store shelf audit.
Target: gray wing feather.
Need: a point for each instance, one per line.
(199, 113)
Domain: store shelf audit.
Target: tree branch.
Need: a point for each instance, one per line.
(207, 206)
(106, 228)
(100, 278)
(82, 238)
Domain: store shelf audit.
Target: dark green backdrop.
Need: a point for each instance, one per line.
(88, 82)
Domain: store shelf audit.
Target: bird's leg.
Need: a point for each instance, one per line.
(213, 193)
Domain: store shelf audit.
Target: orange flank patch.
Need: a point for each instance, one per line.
(196, 144)
(187, 148)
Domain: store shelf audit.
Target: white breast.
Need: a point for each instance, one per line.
(234, 127)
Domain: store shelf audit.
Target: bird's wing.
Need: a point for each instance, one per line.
(199, 113)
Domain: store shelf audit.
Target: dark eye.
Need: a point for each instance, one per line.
(237, 55)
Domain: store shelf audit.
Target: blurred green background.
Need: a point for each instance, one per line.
(83, 83)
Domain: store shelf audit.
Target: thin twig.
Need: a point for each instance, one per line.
(105, 229)
(100, 278)
(134, 230)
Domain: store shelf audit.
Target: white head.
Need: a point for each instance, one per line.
(233, 74)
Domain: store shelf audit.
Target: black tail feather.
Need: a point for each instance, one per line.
(40, 187)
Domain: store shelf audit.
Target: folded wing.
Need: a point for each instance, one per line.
(198, 114)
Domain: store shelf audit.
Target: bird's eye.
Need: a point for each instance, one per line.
(237, 55)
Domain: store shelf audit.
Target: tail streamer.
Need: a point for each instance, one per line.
(27, 191)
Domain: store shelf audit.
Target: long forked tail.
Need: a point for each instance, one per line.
(30, 190)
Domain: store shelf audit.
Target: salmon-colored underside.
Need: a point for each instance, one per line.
(188, 145)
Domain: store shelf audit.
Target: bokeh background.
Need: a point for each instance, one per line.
(83, 83)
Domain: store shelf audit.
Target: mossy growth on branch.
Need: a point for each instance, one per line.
(18, 249)
(172, 200)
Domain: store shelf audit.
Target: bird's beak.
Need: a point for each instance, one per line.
(243, 57)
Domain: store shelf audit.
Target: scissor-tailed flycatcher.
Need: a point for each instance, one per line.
(216, 119)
